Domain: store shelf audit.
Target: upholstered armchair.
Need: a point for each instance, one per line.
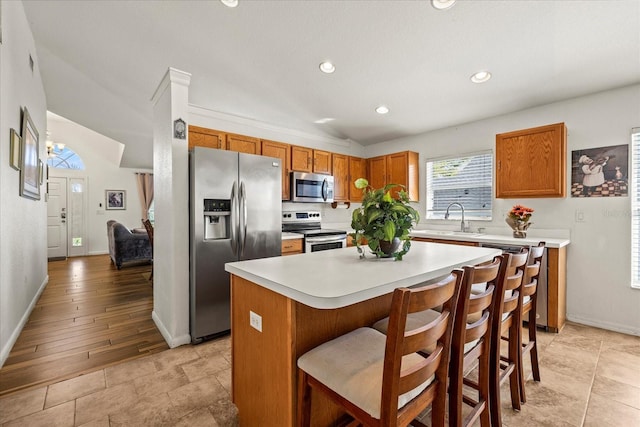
(125, 246)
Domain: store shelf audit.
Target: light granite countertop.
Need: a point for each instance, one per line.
(339, 277)
(497, 239)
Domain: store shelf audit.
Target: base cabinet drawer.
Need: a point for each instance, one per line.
(291, 246)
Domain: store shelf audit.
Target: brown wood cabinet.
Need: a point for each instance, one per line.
(340, 177)
(243, 144)
(357, 169)
(377, 168)
(203, 137)
(301, 159)
(291, 246)
(397, 168)
(532, 162)
(448, 242)
(283, 152)
(322, 162)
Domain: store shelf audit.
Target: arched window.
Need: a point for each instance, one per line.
(64, 158)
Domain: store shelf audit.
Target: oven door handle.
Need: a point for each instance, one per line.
(325, 239)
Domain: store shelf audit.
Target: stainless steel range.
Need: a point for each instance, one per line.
(316, 238)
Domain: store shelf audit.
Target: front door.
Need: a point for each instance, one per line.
(57, 218)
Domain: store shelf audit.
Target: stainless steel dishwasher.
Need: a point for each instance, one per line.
(542, 301)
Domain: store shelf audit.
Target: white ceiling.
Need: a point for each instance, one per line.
(101, 61)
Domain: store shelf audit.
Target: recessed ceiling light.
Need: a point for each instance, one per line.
(481, 77)
(383, 109)
(327, 67)
(229, 3)
(323, 121)
(442, 4)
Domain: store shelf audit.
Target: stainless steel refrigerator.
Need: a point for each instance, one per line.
(235, 214)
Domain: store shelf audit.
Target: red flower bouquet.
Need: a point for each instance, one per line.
(518, 219)
(521, 213)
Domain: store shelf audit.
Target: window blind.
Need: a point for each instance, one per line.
(467, 180)
(635, 208)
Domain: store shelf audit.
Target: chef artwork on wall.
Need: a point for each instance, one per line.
(600, 172)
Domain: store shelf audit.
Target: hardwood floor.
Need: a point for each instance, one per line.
(89, 316)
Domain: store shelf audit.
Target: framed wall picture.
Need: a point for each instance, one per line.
(14, 154)
(600, 172)
(116, 199)
(29, 171)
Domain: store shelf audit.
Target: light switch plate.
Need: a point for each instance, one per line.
(255, 320)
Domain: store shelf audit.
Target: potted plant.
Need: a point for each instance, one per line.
(383, 222)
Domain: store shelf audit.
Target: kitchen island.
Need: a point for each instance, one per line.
(282, 307)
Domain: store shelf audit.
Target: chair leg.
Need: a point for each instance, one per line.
(455, 393)
(534, 349)
(483, 392)
(495, 410)
(304, 400)
(515, 354)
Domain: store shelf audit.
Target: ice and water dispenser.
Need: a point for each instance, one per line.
(217, 218)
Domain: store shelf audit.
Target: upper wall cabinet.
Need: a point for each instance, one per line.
(283, 152)
(243, 144)
(398, 168)
(322, 162)
(301, 159)
(340, 177)
(532, 162)
(357, 169)
(203, 137)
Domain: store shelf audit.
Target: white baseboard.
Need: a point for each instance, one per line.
(610, 326)
(171, 341)
(98, 253)
(23, 321)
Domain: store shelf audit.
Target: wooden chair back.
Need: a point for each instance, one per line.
(512, 286)
(149, 227)
(400, 342)
(531, 275)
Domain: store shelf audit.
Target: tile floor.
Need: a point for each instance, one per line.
(590, 377)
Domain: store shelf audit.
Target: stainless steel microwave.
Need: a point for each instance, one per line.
(311, 187)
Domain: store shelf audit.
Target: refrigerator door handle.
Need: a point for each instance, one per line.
(243, 222)
(234, 218)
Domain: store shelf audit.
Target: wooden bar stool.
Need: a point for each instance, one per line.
(507, 325)
(529, 307)
(471, 342)
(471, 339)
(382, 380)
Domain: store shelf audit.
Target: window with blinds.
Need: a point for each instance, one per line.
(467, 180)
(635, 208)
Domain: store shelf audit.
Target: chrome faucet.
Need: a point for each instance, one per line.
(463, 227)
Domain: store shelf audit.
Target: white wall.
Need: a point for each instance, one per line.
(23, 257)
(101, 157)
(598, 265)
(171, 228)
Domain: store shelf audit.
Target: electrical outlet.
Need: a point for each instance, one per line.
(255, 320)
